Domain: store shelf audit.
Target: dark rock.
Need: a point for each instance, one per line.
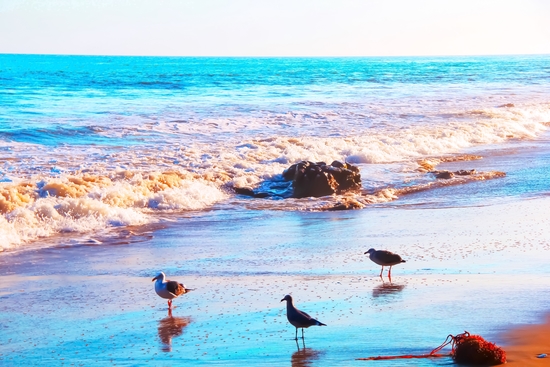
(320, 179)
(443, 174)
(244, 191)
(338, 164)
(463, 172)
(446, 175)
(249, 192)
(347, 205)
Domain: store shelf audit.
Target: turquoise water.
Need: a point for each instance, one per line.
(77, 100)
(115, 168)
(66, 96)
(85, 140)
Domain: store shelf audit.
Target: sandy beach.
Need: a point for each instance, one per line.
(525, 344)
(480, 269)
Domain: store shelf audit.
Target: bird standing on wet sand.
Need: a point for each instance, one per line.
(384, 258)
(299, 319)
(168, 289)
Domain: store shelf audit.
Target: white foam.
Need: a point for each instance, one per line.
(242, 158)
(253, 144)
(9, 236)
(192, 195)
(124, 203)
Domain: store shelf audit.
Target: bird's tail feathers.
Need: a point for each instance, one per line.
(403, 261)
(320, 323)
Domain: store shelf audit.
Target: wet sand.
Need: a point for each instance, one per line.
(480, 269)
(526, 343)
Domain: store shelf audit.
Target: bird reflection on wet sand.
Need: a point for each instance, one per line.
(303, 357)
(387, 289)
(171, 327)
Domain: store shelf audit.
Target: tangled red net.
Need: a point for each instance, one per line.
(465, 348)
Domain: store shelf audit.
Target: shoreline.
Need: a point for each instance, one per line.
(524, 343)
(96, 304)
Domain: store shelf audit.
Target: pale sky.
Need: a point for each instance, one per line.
(275, 27)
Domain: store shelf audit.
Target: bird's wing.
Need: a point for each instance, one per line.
(388, 256)
(175, 287)
(304, 314)
(307, 320)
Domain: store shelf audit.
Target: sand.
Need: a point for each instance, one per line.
(524, 345)
(480, 269)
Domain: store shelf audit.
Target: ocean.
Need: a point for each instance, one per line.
(92, 143)
(115, 168)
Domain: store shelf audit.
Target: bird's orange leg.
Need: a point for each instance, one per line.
(381, 271)
(169, 304)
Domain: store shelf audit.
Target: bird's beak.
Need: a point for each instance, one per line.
(282, 300)
(366, 253)
(155, 278)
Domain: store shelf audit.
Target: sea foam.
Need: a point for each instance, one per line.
(117, 141)
(86, 203)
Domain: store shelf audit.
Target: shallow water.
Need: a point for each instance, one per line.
(96, 304)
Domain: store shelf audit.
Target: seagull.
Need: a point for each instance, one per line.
(384, 258)
(298, 319)
(169, 289)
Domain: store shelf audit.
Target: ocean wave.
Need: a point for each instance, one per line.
(246, 161)
(436, 138)
(85, 203)
(119, 141)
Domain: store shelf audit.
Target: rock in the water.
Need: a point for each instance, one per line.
(446, 175)
(443, 174)
(349, 204)
(463, 172)
(249, 192)
(319, 179)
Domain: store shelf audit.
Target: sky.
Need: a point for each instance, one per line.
(275, 27)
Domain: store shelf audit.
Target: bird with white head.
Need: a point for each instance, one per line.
(169, 289)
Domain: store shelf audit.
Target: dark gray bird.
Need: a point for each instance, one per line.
(384, 258)
(169, 289)
(298, 319)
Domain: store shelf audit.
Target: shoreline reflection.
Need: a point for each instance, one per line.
(304, 357)
(169, 328)
(387, 289)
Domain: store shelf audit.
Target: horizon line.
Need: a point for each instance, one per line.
(272, 56)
